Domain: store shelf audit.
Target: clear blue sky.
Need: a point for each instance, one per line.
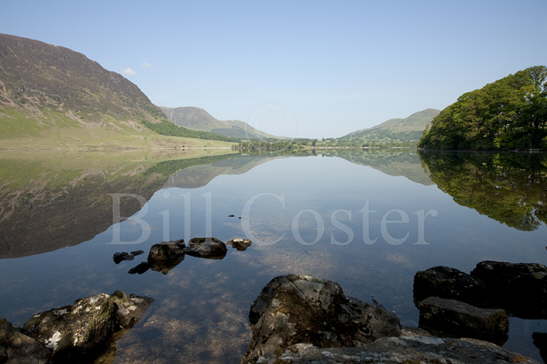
(296, 68)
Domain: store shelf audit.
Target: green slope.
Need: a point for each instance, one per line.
(405, 130)
(198, 119)
(44, 87)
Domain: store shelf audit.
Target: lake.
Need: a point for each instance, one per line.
(368, 220)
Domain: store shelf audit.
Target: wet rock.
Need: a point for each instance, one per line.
(400, 350)
(16, 347)
(139, 268)
(240, 244)
(540, 341)
(520, 288)
(137, 252)
(445, 317)
(119, 257)
(83, 329)
(211, 248)
(165, 256)
(301, 309)
(446, 282)
(231, 215)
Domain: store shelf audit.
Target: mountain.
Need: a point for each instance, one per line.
(198, 119)
(510, 113)
(409, 129)
(43, 87)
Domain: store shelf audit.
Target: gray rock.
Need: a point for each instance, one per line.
(18, 348)
(301, 309)
(520, 288)
(444, 317)
(446, 282)
(240, 244)
(401, 350)
(84, 328)
(211, 248)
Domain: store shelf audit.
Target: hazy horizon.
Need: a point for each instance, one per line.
(306, 69)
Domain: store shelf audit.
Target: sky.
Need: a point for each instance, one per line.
(306, 68)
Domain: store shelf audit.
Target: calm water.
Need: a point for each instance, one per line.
(314, 214)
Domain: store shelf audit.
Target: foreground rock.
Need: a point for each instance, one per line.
(84, 329)
(165, 256)
(446, 282)
(453, 318)
(540, 341)
(403, 350)
(16, 347)
(519, 288)
(211, 248)
(240, 244)
(301, 309)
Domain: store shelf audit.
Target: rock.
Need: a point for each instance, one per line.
(83, 329)
(231, 215)
(140, 268)
(16, 347)
(165, 256)
(520, 288)
(137, 252)
(446, 282)
(400, 350)
(211, 248)
(240, 244)
(121, 256)
(301, 309)
(540, 341)
(444, 317)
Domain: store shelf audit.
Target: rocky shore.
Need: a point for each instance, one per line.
(302, 319)
(77, 333)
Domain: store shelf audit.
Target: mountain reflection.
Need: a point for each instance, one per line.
(510, 188)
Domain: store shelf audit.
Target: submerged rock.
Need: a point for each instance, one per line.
(16, 347)
(240, 244)
(137, 252)
(165, 256)
(301, 309)
(520, 288)
(119, 257)
(211, 248)
(139, 268)
(84, 328)
(446, 282)
(401, 350)
(445, 317)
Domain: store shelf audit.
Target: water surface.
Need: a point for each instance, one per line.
(320, 214)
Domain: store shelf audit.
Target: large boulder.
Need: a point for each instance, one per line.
(446, 282)
(402, 350)
(18, 348)
(165, 256)
(540, 341)
(84, 328)
(444, 317)
(301, 309)
(211, 248)
(520, 288)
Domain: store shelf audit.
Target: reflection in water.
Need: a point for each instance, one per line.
(510, 188)
(201, 305)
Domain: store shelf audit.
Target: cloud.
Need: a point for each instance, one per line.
(146, 65)
(128, 71)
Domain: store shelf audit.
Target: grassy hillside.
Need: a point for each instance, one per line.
(199, 119)
(46, 90)
(406, 130)
(510, 113)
